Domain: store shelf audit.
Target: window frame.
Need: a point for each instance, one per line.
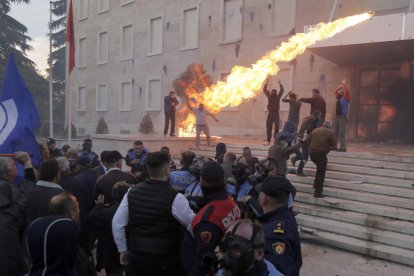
(97, 93)
(100, 10)
(182, 28)
(126, 2)
(149, 53)
(79, 64)
(121, 108)
(148, 80)
(79, 108)
(107, 47)
(271, 32)
(222, 39)
(122, 42)
(86, 13)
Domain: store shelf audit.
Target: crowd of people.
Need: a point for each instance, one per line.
(79, 213)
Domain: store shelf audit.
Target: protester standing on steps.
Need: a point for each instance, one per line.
(317, 102)
(294, 108)
(201, 123)
(170, 102)
(273, 106)
(342, 106)
(320, 141)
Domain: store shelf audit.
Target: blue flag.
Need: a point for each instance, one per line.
(18, 115)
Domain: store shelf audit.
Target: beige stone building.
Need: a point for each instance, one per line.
(128, 53)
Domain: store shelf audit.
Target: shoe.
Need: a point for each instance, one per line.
(266, 143)
(318, 195)
(172, 135)
(301, 174)
(293, 161)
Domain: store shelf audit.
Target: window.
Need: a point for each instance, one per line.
(83, 9)
(189, 28)
(127, 39)
(83, 50)
(223, 77)
(103, 6)
(153, 96)
(282, 17)
(82, 98)
(124, 2)
(125, 96)
(231, 21)
(102, 55)
(101, 97)
(155, 33)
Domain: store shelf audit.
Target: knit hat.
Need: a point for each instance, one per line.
(212, 172)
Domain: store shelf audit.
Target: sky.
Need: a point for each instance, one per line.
(35, 16)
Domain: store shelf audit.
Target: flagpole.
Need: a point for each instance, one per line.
(69, 111)
(50, 76)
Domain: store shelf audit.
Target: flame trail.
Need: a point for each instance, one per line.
(244, 83)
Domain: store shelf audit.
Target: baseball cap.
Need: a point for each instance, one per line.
(212, 172)
(275, 185)
(113, 156)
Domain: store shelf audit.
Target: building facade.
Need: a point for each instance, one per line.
(129, 52)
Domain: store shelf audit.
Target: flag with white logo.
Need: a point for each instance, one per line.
(18, 115)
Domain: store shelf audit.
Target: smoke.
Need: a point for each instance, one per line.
(189, 86)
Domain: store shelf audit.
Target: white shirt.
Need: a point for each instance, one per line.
(180, 210)
(201, 116)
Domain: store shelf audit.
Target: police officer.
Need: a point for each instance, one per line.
(217, 213)
(182, 178)
(280, 227)
(86, 150)
(136, 158)
(239, 185)
(246, 238)
(54, 152)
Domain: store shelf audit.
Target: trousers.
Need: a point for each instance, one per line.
(169, 117)
(206, 130)
(272, 119)
(340, 130)
(321, 162)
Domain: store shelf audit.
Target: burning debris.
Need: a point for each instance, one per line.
(244, 83)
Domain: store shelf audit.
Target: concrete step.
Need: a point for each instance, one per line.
(401, 168)
(262, 150)
(360, 178)
(357, 231)
(356, 206)
(407, 192)
(389, 224)
(378, 199)
(374, 249)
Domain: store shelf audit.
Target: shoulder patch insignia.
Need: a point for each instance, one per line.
(205, 237)
(279, 227)
(279, 248)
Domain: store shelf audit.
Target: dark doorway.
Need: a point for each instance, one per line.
(386, 109)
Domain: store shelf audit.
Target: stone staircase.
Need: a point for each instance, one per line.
(369, 203)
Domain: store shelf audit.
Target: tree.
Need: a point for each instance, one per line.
(14, 39)
(58, 58)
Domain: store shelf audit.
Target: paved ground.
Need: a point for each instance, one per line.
(319, 260)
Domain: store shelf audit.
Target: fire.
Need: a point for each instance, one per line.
(244, 83)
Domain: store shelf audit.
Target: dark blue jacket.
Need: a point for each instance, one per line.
(282, 240)
(288, 131)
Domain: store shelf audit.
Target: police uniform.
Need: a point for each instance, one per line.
(283, 248)
(181, 179)
(208, 227)
(55, 153)
(93, 157)
(141, 166)
(238, 192)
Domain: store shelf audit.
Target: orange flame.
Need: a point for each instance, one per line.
(244, 83)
